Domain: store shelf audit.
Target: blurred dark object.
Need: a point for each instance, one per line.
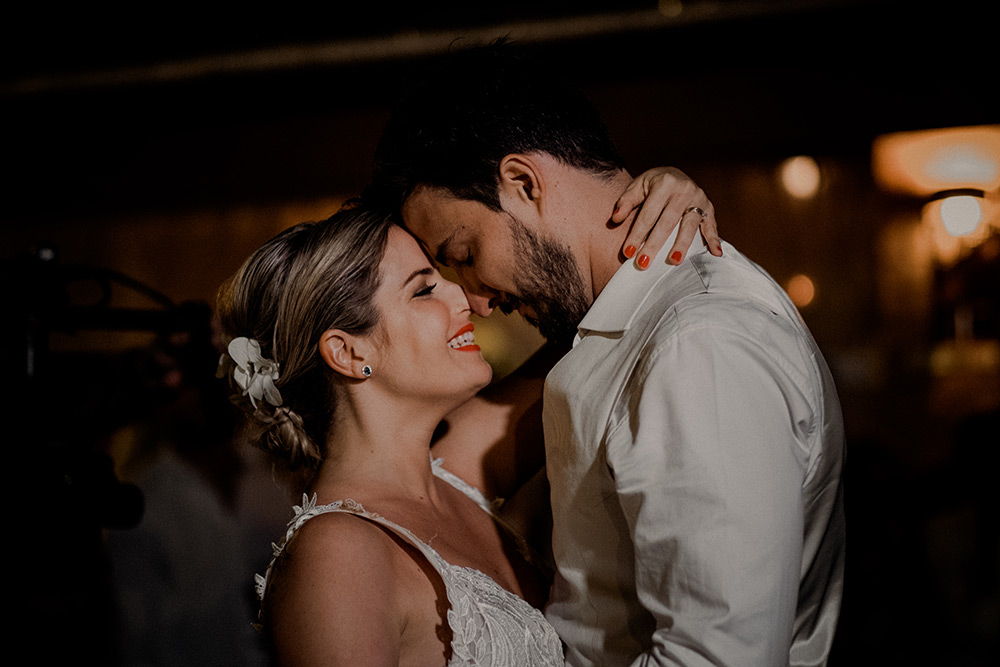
(967, 295)
(64, 409)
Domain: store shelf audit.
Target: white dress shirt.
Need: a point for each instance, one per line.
(694, 447)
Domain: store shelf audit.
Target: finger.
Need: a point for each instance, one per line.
(690, 223)
(629, 200)
(653, 215)
(710, 230)
(695, 218)
(672, 215)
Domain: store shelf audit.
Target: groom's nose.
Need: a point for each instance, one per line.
(482, 299)
(480, 302)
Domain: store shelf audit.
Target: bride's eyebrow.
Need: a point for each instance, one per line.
(426, 271)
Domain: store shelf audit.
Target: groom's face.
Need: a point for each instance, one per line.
(500, 262)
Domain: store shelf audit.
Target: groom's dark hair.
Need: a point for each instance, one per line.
(451, 129)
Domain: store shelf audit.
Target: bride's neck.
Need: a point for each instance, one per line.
(380, 448)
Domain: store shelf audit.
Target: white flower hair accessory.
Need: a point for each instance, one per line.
(254, 373)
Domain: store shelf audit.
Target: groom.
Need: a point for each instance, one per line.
(693, 436)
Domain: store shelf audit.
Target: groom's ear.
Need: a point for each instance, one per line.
(521, 179)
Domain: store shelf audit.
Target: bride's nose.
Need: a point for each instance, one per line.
(458, 297)
(480, 297)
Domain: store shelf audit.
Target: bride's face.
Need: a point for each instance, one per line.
(426, 344)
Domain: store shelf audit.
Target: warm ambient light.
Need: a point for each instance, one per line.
(800, 176)
(961, 215)
(930, 161)
(963, 164)
(801, 290)
(957, 222)
(670, 8)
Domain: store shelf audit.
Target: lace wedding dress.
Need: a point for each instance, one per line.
(491, 627)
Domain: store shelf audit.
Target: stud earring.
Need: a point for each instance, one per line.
(366, 370)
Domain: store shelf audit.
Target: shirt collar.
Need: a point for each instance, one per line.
(617, 304)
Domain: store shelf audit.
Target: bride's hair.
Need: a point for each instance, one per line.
(308, 279)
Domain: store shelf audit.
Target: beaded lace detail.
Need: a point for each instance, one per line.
(490, 625)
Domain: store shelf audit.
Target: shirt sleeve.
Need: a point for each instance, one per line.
(709, 459)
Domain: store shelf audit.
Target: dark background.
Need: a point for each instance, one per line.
(739, 79)
(121, 130)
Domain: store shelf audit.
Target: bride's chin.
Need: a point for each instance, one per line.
(468, 387)
(487, 378)
(479, 385)
(487, 372)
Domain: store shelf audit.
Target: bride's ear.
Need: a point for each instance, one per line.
(343, 353)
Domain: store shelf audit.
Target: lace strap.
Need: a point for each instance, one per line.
(310, 509)
(492, 508)
(471, 492)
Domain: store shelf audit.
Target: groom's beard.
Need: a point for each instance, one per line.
(549, 284)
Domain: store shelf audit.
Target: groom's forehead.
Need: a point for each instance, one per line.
(435, 224)
(434, 215)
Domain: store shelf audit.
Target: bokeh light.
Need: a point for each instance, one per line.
(800, 176)
(801, 290)
(670, 8)
(961, 214)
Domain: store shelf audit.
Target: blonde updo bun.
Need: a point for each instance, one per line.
(308, 279)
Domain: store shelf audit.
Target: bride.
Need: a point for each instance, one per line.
(353, 356)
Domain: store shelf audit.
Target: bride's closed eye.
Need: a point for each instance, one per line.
(426, 290)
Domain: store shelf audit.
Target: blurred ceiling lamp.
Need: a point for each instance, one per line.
(927, 162)
(957, 221)
(800, 176)
(961, 214)
(957, 171)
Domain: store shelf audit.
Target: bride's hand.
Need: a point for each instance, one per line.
(664, 197)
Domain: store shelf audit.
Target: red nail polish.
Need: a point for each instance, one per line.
(629, 251)
(643, 261)
(676, 257)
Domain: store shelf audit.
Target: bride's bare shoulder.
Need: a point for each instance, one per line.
(342, 591)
